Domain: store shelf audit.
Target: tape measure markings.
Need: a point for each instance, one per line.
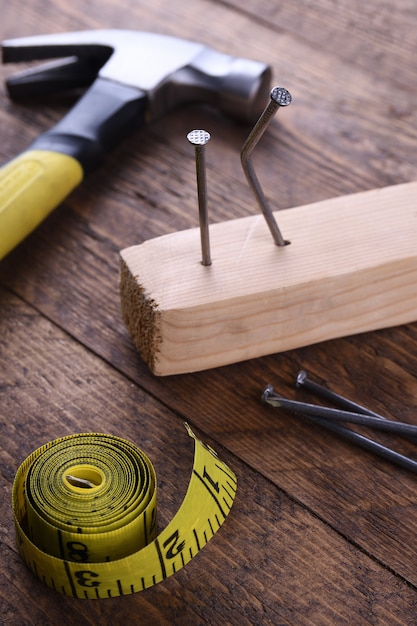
(83, 564)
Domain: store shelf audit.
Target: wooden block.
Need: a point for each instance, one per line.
(351, 267)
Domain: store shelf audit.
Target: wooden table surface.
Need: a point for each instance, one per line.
(321, 532)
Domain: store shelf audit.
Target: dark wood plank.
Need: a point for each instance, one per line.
(379, 38)
(272, 562)
(66, 353)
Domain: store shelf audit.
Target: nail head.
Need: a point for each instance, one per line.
(267, 392)
(301, 378)
(198, 137)
(281, 96)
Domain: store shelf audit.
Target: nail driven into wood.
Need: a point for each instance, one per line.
(336, 289)
(199, 139)
(280, 97)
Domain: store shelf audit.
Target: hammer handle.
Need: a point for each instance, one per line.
(31, 186)
(37, 181)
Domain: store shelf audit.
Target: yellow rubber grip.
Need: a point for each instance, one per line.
(31, 186)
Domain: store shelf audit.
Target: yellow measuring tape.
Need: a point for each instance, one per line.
(85, 515)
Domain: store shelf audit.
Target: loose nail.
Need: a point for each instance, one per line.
(339, 415)
(350, 435)
(304, 381)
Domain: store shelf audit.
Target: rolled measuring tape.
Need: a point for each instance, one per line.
(86, 520)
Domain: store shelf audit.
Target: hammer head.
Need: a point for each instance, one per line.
(171, 71)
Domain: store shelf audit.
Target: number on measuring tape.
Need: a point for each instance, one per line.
(77, 551)
(86, 578)
(98, 516)
(173, 545)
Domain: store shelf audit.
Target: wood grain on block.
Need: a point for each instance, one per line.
(350, 267)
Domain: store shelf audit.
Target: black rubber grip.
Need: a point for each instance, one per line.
(105, 115)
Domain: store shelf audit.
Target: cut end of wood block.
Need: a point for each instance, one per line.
(140, 314)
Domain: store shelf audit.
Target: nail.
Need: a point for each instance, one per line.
(368, 444)
(199, 139)
(364, 442)
(304, 381)
(399, 428)
(280, 97)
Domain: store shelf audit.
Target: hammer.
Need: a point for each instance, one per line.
(132, 78)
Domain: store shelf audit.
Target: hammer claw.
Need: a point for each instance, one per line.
(57, 45)
(53, 76)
